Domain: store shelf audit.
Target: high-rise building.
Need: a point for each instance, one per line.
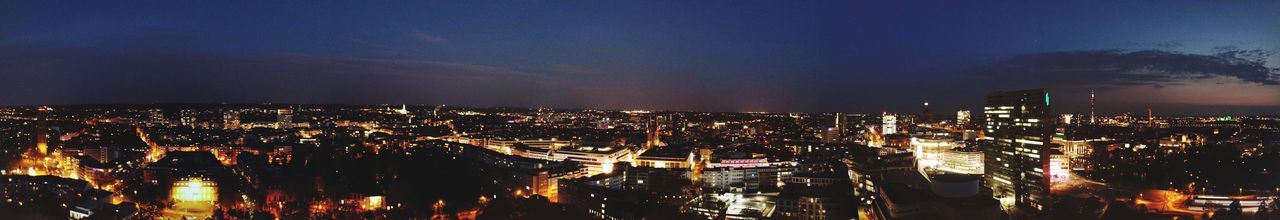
(1016, 152)
(889, 123)
(962, 118)
(284, 118)
(1093, 118)
(841, 121)
(42, 136)
(836, 132)
(831, 135)
(231, 120)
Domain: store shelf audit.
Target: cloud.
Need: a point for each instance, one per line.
(1123, 68)
(1228, 80)
(428, 38)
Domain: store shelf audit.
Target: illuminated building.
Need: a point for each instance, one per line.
(1093, 117)
(734, 206)
(596, 159)
(1248, 204)
(370, 203)
(538, 175)
(96, 209)
(929, 151)
(284, 118)
(194, 190)
(178, 165)
(603, 124)
(841, 122)
(42, 136)
(1017, 155)
(836, 132)
(231, 120)
(404, 110)
(888, 185)
(653, 132)
(962, 118)
(867, 171)
(746, 175)
(899, 141)
(194, 197)
(501, 144)
(831, 135)
(664, 158)
(889, 123)
(950, 196)
(1059, 166)
(1079, 153)
(961, 161)
(186, 118)
(157, 116)
(821, 195)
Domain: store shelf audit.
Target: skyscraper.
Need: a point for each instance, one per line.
(889, 123)
(840, 122)
(962, 118)
(836, 132)
(1016, 152)
(42, 136)
(1093, 118)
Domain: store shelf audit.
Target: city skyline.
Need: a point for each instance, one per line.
(916, 112)
(1016, 160)
(619, 110)
(683, 56)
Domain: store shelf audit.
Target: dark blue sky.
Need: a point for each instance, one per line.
(1175, 56)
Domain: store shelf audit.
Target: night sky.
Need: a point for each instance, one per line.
(1178, 57)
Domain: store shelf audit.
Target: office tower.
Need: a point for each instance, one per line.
(835, 133)
(42, 136)
(962, 118)
(1093, 118)
(840, 122)
(1015, 150)
(889, 123)
(830, 135)
(284, 118)
(231, 120)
